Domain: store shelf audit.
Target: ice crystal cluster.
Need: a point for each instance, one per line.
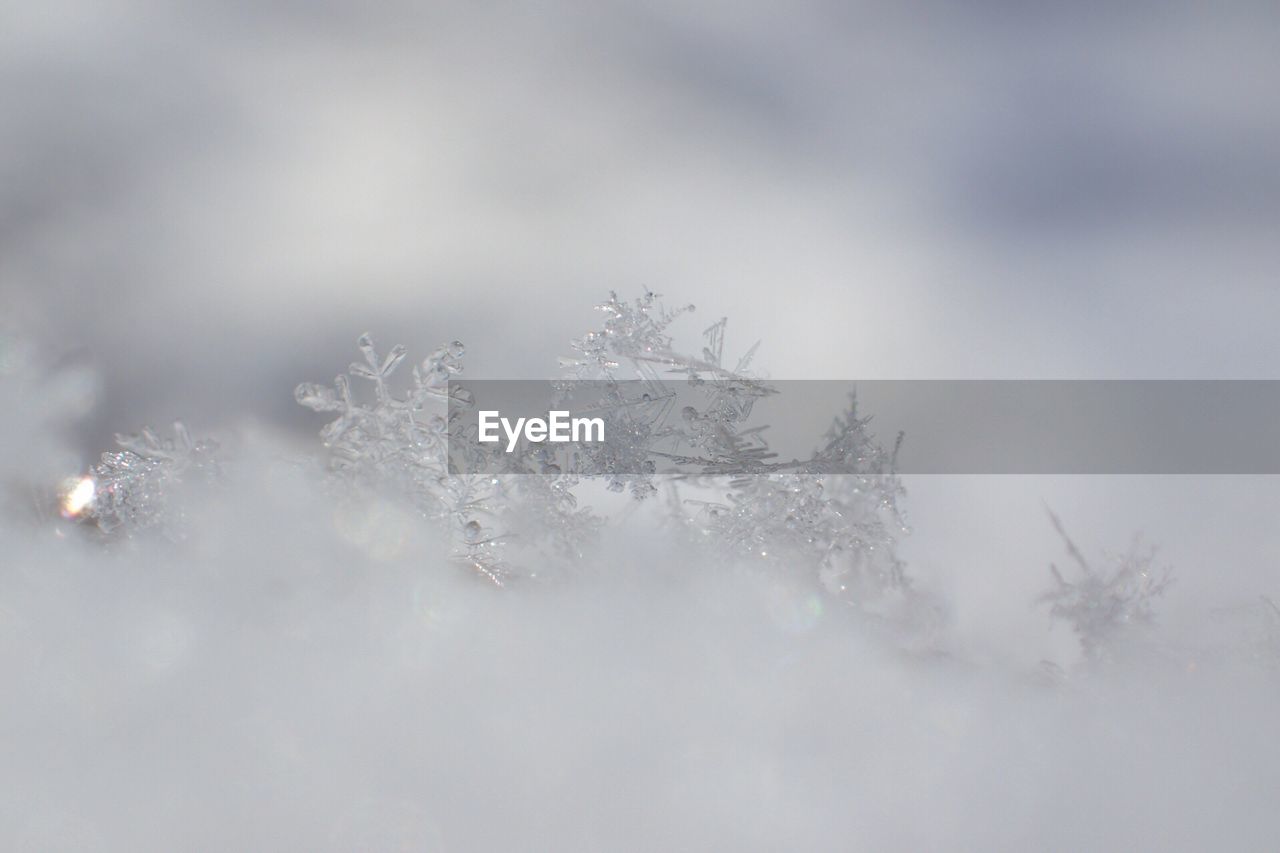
(700, 472)
(132, 488)
(395, 443)
(830, 520)
(835, 513)
(1103, 606)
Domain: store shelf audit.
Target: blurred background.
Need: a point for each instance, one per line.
(208, 202)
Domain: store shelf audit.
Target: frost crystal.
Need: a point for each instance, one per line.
(836, 511)
(134, 487)
(830, 519)
(397, 443)
(1104, 607)
(821, 526)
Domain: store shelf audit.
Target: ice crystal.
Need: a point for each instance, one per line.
(833, 517)
(1103, 607)
(634, 332)
(397, 442)
(397, 438)
(837, 510)
(825, 526)
(133, 488)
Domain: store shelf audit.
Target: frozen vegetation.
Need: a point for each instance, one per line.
(346, 647)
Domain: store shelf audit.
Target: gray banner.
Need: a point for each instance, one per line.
(949, 426)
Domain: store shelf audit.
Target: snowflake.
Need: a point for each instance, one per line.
(398, 443)
(133, 489)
